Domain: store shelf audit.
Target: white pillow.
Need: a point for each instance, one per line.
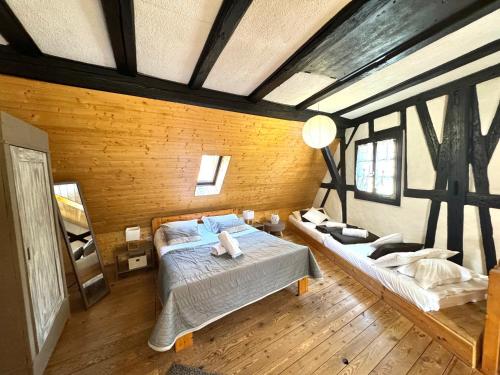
(315, 216)
(391, 238)
(296, 214)
(400, 259)
(430, 273)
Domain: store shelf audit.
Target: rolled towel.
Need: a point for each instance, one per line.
(230, 244)
(354, 232)
(334, 224)
(218, 249)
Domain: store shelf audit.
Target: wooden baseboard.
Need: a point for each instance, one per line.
(467, 349)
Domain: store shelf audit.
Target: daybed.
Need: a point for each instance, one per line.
(197, 288)
(449, 326)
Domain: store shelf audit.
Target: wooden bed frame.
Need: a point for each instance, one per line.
(186, 341)
(442, 326)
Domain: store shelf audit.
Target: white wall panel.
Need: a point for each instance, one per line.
(2, 40)
(170, 35)
(488, 94)
(386, 122)
(269, 33)
(466, 39)
(298, 88)
(437, 111)
(73, 29)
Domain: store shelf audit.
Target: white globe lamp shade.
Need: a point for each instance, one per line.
(319, 131)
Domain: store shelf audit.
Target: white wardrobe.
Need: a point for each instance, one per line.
(32, 287)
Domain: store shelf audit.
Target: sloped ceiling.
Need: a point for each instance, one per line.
(170, 35)
(267, 35)
(73, 29)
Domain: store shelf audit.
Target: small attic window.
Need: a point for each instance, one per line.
(213, 169)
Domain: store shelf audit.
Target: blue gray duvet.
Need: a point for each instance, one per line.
(197, 288)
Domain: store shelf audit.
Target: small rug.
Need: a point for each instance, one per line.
(176, 369)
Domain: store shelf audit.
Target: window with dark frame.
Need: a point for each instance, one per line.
(209, 170)
(378, 167)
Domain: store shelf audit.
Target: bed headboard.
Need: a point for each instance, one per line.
(157, 221)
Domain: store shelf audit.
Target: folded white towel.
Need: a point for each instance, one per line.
(230, 244)
(334, 224)
(218, 249)
(353, 232)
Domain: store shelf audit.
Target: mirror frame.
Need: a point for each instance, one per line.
(68, 245)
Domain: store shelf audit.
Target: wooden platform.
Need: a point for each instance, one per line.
(459, 328)
(337, 320)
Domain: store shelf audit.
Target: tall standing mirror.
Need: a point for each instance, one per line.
(80, 242)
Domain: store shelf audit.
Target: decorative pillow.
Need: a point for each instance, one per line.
(401, 258)
(212, 223)
(296, 214)
(391, 238)
(303, 212)
(181, 232)
(429, 273)
(390, 248)
(315, 216)
(232, 226)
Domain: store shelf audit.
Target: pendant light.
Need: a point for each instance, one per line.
(319, 131)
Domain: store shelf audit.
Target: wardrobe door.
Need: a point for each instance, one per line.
(36, 215)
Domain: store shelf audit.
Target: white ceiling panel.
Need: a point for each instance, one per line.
(468, 38)
(170, 35)
(452, 75)
(73, 29)
(298, 87)
(2, 40)
(269, 33)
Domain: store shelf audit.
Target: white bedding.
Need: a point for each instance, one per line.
(427, 300)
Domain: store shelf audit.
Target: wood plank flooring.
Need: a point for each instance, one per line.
(338, 327)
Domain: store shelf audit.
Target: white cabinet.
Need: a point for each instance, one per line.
(32, 286)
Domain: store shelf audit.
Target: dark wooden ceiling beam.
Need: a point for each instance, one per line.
(298, 60)
(66, 72)
(120, 21)
(14, 32)
(230, 14)
(448, 25)
(425, 76)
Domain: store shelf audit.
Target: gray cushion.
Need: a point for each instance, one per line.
(181, 232)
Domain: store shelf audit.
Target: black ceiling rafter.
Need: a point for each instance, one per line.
(14, 32)
(425, 76)
(452, 23)
(72, 73)
(120, 22)
(298, 60)
(229, 16)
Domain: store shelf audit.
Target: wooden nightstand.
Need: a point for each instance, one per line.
(138, 256)
(257, 225)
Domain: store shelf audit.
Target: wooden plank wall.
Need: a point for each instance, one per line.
(138, 158)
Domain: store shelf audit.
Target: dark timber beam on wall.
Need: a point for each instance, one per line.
(72, 73)
(429, 132)
(119, 16)
(230, 14)
(336, 177)
(15, 33)
(298, 60)
(493, 134)
(430, 74)
(452, 23)
(480, 160)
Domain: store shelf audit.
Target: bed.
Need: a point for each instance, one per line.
(451, 325)
(425, 299)
(196, 288)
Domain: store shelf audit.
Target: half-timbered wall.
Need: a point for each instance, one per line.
(412, 216)
(138, 158)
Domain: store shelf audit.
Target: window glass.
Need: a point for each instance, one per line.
(208, 169)
(385, 168)
(364, 168)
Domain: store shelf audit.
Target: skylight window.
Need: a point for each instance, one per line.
(213, 169)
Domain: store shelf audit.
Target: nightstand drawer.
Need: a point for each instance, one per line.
(137, 262)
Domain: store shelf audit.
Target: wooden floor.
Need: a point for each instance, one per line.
(339, 327)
